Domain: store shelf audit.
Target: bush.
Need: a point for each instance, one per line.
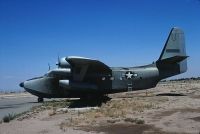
(9, 117)
(53, 112)
(136, 121)
(131, 120)
(139, 121)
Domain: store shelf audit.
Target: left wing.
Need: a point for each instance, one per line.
(82, 66)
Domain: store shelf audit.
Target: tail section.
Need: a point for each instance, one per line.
(173, 59)
(175, 45)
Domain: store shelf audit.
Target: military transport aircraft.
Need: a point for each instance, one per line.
(79, 77)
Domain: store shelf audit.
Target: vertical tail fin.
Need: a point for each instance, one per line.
(173, 57)
(175, 44)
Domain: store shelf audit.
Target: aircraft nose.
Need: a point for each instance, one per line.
(21, 84)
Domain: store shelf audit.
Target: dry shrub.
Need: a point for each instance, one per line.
(112, 121)
(98, 115)
(134, 120)
(9, 117)
(119, 108)
(52, 112)
(111, 111)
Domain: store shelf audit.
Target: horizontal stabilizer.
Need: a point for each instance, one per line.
(172, 60)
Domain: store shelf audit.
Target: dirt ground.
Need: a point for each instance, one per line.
(170, 108)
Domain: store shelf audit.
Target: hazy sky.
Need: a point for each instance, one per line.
(117, 32)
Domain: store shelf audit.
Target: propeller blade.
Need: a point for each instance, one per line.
(58, 63)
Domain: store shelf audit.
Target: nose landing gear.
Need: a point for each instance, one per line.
(40, 99)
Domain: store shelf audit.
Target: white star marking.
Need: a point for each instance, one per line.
(129, 75)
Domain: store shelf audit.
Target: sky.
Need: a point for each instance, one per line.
(118, 32)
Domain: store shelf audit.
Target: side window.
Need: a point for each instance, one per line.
(135, 75)
(112, 78)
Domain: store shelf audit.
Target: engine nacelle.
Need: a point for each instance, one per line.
(62, 63)
(77, 85)
(59, 72)
(64, 83)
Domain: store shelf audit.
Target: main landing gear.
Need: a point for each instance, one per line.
(40, 99)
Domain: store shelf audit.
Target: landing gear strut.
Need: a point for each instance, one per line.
(40, 99)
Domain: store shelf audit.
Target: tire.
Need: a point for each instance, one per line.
(40, 99)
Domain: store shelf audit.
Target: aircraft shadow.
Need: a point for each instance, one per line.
(170, 94)
(81, 103)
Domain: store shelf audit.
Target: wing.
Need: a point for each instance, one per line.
(82, 66)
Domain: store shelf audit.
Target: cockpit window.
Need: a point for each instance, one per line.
(46, 74)
(35, 78)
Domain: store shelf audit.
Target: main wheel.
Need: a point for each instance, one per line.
(40, 99)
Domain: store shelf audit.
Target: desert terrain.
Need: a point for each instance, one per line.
(173, 107)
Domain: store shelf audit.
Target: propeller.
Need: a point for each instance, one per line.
(62, 63)
(58, 63)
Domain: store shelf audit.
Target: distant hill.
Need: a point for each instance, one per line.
(183, 79)
(12, 91)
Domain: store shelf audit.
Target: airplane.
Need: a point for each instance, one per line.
(85, 78)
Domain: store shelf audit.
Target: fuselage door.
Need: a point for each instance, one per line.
(129, 78)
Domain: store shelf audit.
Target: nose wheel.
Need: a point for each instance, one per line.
(40, 99)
